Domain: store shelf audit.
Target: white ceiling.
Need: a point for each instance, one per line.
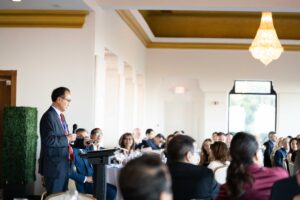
(44, 4)
(216, 5)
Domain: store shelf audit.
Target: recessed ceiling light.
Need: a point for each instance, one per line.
(16, 0)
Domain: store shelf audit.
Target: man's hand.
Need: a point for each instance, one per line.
(89, 179)
(71, 137)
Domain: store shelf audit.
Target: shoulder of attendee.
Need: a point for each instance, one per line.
(213, 164)
(279, 172)
(222, 195)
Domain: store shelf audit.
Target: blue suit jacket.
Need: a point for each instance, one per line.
(54, 154)
(79, 170)
(280, 156)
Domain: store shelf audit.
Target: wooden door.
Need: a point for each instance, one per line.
(8, 83)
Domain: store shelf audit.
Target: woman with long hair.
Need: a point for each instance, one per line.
(205, 151)
(128, 151)
(245, 178)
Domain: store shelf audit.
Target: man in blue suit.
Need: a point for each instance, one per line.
(82, 170)
(56, 152)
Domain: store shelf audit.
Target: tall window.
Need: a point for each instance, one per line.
(252, 108)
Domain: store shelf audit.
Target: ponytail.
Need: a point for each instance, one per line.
(242, 150)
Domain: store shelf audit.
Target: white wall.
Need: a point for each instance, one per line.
(288, 114)
(46, 58)
(215, 71)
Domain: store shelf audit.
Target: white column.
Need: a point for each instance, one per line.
(100, 82)
(112, 102)
(129, 99)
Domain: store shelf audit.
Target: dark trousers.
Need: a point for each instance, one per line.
(55, 185)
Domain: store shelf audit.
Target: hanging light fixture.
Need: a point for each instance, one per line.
(266, 46)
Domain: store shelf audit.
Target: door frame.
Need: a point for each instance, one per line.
(12, 74)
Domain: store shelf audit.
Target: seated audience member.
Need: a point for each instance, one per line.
(219, 159)
(205, 152)
(164, 154)
(149, 133)
(82, 171)
(293, 144)
(154, 143)
(97, 137)
(178, 132)
(137, 135)
(269, 145)
(189, 181)
(281, 154)
(287, 188)
(215, 137)
(229, 137)
(160, 140)
(292, 156)
(222, 137)
(277, 146)
(128, 152)
(145, 178)
(246, 179)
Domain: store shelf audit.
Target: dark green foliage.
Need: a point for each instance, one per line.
(19, 145)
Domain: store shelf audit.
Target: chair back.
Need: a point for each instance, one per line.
(69, 196)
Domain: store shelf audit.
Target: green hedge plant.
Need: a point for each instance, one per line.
(19, 145)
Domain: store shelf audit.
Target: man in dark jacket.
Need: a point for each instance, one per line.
(189, 181)
(269, 145)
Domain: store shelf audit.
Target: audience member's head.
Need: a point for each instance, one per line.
(126, 141)
(137, 134)
(159, 139)
(215, 136)
(96, 134)
(243, 152)
(285, 143)
(150, 133)
(145, 178)
(205, 148)
(181, 149)
(293, 145)
(81, 133)
(81, 136)
(222, 137)
(219, 151)
(272, 136)
(229, 137)
(297, 161)
(178, 132)
(169, 138)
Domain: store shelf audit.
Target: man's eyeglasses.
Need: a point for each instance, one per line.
(99, 134)
(68, 100)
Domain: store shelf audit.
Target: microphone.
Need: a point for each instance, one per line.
(73, 132)
(74, 128)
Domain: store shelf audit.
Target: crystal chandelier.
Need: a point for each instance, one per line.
(266, 46)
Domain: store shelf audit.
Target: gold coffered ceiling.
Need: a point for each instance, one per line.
(209, 24)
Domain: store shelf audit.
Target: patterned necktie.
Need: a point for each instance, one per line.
(65, 127)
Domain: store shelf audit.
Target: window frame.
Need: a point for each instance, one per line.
(272, 92)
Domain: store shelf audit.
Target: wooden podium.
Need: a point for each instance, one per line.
(99, 159)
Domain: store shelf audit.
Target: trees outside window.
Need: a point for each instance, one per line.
(252, 108)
